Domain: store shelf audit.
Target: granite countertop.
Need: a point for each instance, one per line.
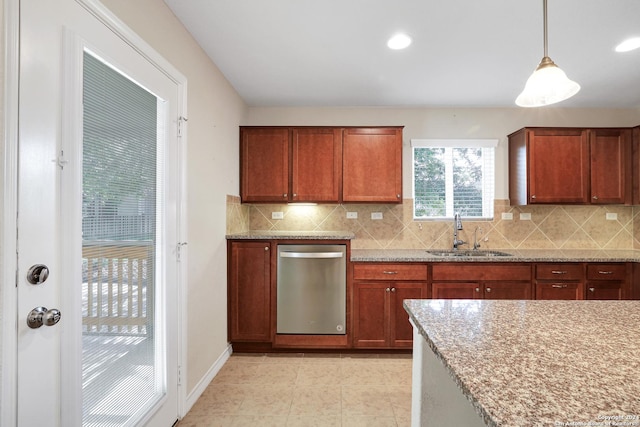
(292, 235)
(528, 255)
(539, 363)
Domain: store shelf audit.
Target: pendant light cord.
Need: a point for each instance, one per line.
(544, 16)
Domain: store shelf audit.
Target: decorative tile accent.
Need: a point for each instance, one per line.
(550, 227)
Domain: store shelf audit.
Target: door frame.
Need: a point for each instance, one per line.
(9, 297)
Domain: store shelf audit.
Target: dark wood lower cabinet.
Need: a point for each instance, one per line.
(559, 291)
(604, 290)
(379, 318)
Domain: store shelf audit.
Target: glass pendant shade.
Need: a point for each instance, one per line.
(547, 85)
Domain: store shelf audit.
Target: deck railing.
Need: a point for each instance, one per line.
(118, 282)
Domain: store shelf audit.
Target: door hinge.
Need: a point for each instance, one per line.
(179, 375)
(61, 161)
(182, 122)
(179, 250)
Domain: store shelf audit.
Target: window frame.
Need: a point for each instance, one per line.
(489, 179)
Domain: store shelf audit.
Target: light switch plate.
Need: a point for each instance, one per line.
(611, 216)
(277, 215)
(352, 215)
(376, 215)
(525, 216)
(507, 215)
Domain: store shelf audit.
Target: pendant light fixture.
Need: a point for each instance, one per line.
(548, 84)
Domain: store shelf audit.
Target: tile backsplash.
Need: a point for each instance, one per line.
(550, 227)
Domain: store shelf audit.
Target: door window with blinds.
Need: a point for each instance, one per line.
(121, 214)
(453, 176)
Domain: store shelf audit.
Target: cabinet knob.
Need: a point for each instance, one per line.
(488, 289)
(284, 195)
(477, 289)
(533, 196)
(266, 248)
(592, 289)
(393, 289)
(295, 194)
(398, 196)
(387, 290)
(595, 197)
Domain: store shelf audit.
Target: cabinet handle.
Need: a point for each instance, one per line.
(488, 289)
(592, 289)
(605, 272)
(558, 272)
(389, 272)
(557, 285)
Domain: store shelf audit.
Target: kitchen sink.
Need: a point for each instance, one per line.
(468, 253)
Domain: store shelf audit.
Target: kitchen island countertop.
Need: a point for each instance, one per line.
(538, 363)
(291, 235)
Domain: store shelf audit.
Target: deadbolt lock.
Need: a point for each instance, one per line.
(37, 274)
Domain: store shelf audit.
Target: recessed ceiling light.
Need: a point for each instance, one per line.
(399, 41)
(628, 44)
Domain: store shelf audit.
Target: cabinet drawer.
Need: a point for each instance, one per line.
(389, 272)
(606, 271)
(564, 271)
(477, 272)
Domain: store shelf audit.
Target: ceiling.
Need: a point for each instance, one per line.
(465, 53)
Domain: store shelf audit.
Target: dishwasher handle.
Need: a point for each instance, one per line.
(285, 254)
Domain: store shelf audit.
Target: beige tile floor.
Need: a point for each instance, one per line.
(307, 390)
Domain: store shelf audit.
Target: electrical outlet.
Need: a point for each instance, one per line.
(277, 215)
(611, 216)
(507, 216)
(352, 215)
(525, 216)
(376, 215)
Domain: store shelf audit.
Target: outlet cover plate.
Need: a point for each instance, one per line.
(352, 215)
(507, 216)
(525, 216)
(376, 215)
(611, 216)
(277, 215)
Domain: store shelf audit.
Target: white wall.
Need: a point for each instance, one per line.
(448, 123)
(214, 111)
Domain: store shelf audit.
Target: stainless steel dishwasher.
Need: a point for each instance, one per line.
(312, 289)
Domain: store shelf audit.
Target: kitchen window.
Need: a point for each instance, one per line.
(452, 176)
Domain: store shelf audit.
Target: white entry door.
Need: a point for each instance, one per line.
(98, 223)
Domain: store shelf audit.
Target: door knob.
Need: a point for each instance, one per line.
(37, 274)
(41, 316)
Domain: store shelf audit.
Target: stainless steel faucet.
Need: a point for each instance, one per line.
(457, 225)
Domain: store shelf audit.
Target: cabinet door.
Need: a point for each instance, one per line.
(604, 290)
(249, 291)
(372, 165)
(317, 165)
(558, 166)
(370, 314)
(610, 165)
(507, 290)
(462, 290)
(400, 328)
(559, 291)
(264, 164)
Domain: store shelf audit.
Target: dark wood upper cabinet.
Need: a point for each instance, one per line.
(264, 164)
(570, 166)
(372, 165)
(316, 165)
(320, 164)
(610, 166)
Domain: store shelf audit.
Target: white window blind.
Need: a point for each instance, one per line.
(452, 176)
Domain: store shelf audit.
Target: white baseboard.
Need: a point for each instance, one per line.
(197, 391)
